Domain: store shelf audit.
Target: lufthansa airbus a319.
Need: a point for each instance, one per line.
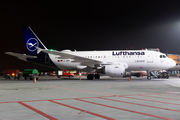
(115, 63)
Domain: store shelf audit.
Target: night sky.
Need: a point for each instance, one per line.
(89, 26)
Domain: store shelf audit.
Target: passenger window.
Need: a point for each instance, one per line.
(160, 56)
(164, 56)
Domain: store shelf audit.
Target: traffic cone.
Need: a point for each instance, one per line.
(129, 78)
(34, 79)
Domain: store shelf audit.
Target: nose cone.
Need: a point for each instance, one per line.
(172, 63)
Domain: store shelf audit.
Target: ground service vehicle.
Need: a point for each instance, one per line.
(64, 73)
(11, 73)
(31, 73)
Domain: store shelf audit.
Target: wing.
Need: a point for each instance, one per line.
(70, 55)
(20, 56)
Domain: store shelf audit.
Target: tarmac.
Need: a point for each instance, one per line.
(73, 99)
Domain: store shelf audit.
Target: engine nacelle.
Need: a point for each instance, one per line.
(115, 70)
(80, 67)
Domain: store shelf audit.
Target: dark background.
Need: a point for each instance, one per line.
(89, 25)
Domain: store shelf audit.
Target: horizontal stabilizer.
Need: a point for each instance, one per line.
(20, 56)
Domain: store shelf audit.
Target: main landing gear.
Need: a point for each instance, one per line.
(148, 75)
(92, 76)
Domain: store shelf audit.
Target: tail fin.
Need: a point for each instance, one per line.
(31, 41)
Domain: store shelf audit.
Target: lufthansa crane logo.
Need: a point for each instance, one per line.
(31, 44)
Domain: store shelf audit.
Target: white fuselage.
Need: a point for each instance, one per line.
(135, 59)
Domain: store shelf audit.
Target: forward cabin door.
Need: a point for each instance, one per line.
(149, 57)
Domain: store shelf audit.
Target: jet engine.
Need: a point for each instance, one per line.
(115, 70)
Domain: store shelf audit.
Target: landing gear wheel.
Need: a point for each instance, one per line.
(149, 77)
(97, 76)
(90, 77)
(167, 76)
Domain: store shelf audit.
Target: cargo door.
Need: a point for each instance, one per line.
(149, 57)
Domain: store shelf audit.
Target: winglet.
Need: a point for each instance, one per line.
(38, 49)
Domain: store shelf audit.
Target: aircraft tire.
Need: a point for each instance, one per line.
(97, 76)
(149, 77)
(138, 75)
(90, 77)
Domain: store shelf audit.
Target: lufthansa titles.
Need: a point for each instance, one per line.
(128, 53)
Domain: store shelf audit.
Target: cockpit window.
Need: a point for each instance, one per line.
(162, 56)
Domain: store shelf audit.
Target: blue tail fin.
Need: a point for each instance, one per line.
(31, 41)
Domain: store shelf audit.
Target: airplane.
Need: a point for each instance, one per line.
(114, 63)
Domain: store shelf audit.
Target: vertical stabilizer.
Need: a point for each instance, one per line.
(31, 41)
